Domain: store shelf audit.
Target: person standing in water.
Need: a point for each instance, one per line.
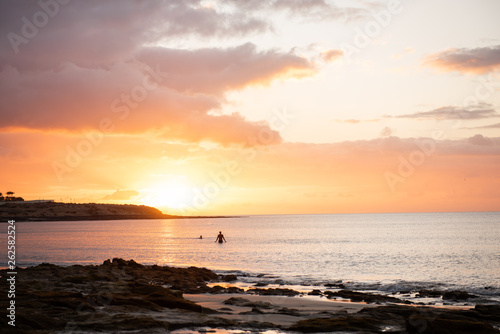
(220, 238)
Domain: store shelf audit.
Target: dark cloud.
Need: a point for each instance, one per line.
(478, 60)
(96, 33)
(481, 111)
(481, 140)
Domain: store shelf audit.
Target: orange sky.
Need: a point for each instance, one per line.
(223, 107)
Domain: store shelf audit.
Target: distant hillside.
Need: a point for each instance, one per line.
(67, 211)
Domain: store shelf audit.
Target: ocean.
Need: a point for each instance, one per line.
(395, 254)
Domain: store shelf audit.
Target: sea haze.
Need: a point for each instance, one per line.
(384, 252)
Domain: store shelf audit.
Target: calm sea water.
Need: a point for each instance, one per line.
(384, 252)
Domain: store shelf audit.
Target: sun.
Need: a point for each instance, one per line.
(174, 195)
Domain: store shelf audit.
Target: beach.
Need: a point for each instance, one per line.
(123, 296)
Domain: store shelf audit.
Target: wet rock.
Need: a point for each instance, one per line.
(38, 321)
(345, 324)
(362, 297)
(289, 311)
(422, 325)
(337, 284)
(274, 292)
(260, 284)
(254, 311)
(225, 309)
(239, 301)
(457, 295)
(488, 312)
(229, 278)
(216, 289)
(429, 293)
(124, 322)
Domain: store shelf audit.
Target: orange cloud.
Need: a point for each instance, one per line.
(216, 70)
(427, 175)
(476, 61)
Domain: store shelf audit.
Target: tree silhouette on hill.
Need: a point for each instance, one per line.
(10, 197)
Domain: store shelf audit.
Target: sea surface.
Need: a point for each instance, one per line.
(394, 254)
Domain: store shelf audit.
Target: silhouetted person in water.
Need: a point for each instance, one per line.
(220, 238)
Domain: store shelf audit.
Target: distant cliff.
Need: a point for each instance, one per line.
(49, 211)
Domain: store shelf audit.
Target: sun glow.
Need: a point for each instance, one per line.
(174, 195)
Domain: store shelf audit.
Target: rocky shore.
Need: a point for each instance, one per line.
(122, 296)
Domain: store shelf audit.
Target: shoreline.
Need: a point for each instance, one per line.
(125, 296)
(56, 211)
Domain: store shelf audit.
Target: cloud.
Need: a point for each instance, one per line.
(216, 70)
(306, 10)
(481, 140)
(331, 55)
(122, 195)
(491, 126)
(95, 33)
(355, 121)
(386, 132)
(477, 60)
(482, 111)
(94, 62)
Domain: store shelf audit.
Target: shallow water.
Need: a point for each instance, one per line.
(379, 252)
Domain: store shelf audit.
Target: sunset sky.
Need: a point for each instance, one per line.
(253, 107)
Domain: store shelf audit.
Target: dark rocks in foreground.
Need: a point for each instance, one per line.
(125, 296)
(408, 320)
(117, 295)
(363, 297)
(455, 295)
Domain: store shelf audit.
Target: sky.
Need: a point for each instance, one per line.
(224, 107)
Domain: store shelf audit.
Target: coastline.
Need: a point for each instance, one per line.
(56, 211)
(125, 296)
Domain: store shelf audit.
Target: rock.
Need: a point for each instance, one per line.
(337, 284)
(429, 293)
(124, 322)
(225, 309)
(238, 301)
(346, 324)
(457, 295)
(38, 321)
(229, 278)
(422, 325)
(274, 292)
(253, 311)
(260, 284)
(363, 297)
(290, 311)
(315, 293)
(488, 312)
